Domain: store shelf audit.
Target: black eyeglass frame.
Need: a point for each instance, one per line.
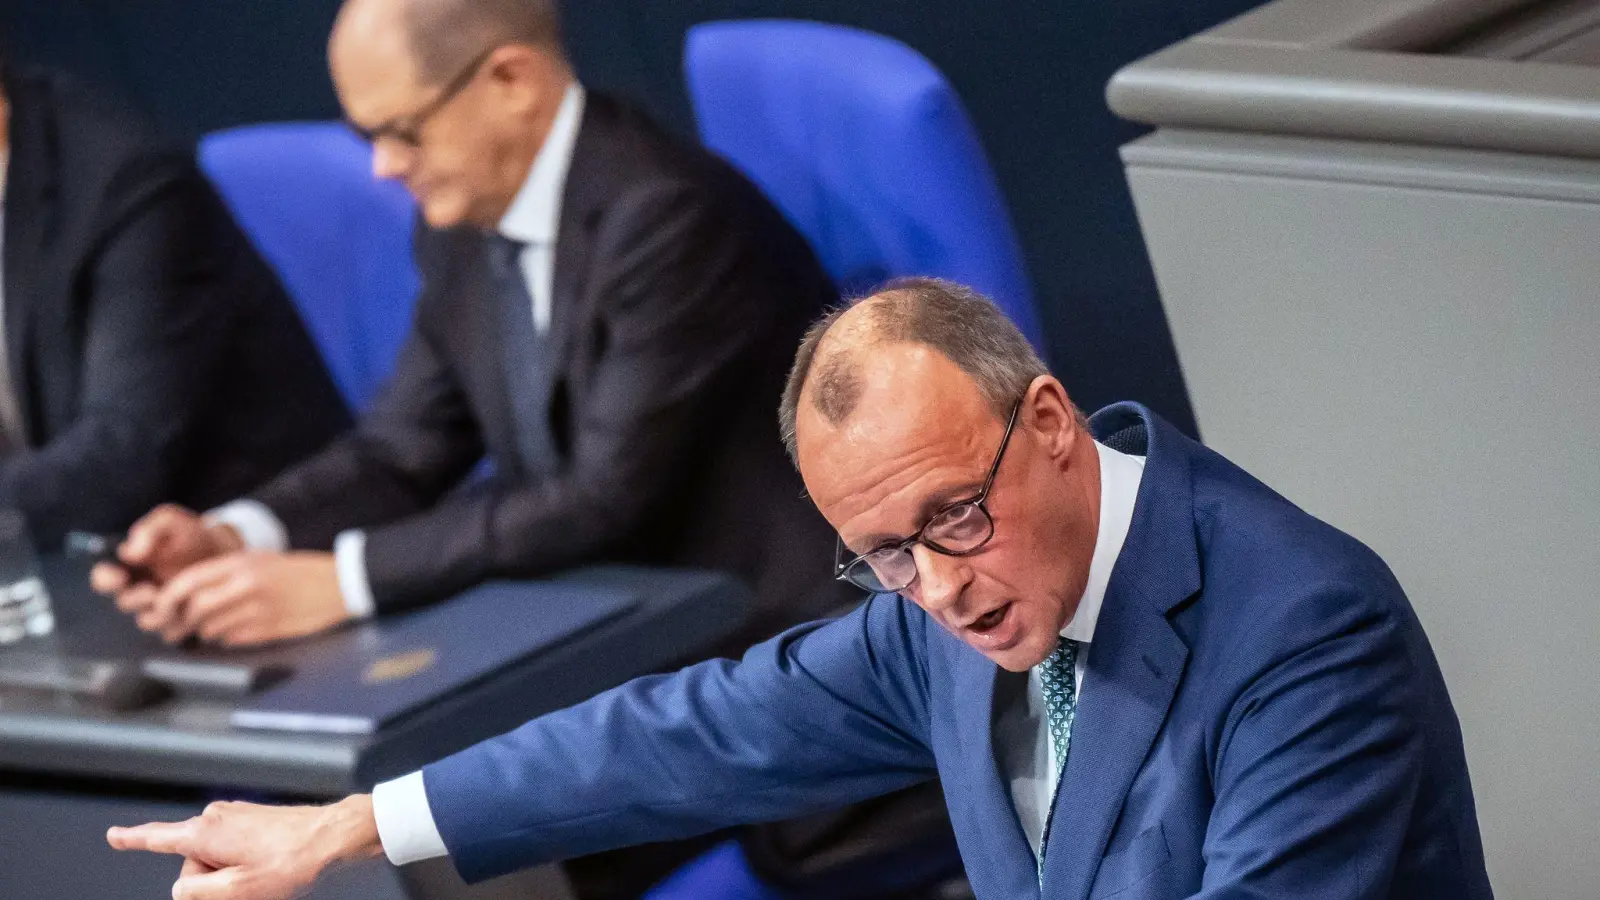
(978, 501)
(407, 130)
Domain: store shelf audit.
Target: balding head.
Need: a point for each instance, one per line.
(955, 321)
(446, 34)
(375, 30)
(896, 413)
(458, 96)
(441, 36)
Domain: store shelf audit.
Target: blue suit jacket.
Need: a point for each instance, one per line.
(1262, 717)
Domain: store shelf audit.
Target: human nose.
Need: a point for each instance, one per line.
(389, 160)
(941, 579)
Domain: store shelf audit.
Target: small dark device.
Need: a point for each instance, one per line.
(213, 677)
(102, 548)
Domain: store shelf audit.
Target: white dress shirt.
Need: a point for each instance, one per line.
(533, 218)
(1027, 755)
(405, 821)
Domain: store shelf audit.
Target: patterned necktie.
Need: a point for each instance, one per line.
(1058, 677)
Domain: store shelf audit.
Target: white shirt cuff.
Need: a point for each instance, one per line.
(350, 564)
(259, 527)
(405, 822)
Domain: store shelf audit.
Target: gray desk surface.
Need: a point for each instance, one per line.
(188, 741)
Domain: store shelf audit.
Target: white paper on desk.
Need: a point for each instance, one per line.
(315, 723)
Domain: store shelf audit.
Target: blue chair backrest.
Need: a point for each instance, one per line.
(866, 148)
(339, 239)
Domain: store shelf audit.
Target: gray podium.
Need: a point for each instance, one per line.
(1376, 230)
(68, 769)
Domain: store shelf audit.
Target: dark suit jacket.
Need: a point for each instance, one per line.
(679, 297)
(1261, 718)
(153, 355)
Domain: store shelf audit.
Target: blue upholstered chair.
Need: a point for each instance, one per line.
(868, 151)
(866, 148)
(721, 873)
(339, 239)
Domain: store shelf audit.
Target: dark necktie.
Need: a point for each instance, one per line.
(524, 359)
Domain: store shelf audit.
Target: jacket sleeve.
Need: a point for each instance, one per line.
(416, 443)
(819, 716)
(154, 325)
(684, 314)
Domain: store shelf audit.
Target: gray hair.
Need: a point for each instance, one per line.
(956, 321)
(446, 34)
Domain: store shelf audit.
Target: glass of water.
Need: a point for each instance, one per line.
(24, 600)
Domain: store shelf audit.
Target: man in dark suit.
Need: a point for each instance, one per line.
(1138, 672)
(606, 314)
(148, 354)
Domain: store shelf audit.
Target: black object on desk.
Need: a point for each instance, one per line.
(187, 674)
(103, 640)
(189, 740)
(109, 684)
(670, 617)
(102, 548)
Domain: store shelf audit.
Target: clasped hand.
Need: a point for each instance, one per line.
(205, 584)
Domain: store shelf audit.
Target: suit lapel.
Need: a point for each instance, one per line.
(30, 207)
(1133, 670)
(582, 200)
(22, 253)
(1007, 869)
(1135, 662)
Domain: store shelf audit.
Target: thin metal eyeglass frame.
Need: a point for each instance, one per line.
(979, 500)
(407, 130)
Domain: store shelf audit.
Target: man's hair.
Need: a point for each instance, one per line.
(446, 34)
(959, 323)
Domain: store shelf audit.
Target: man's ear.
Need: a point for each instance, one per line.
(1049, 413)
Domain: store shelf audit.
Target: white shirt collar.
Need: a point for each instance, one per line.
(1120, 475)
(535, 213)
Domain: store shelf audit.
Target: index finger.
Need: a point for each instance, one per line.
(203, 574)
(155, 837)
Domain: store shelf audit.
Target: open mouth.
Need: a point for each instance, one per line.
(990, 619)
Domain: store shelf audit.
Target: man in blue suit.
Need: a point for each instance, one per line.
(1138, 672)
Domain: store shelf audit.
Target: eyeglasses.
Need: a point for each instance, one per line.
(407, 130)
(959, 529)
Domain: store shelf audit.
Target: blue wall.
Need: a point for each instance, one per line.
(1032, 73)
